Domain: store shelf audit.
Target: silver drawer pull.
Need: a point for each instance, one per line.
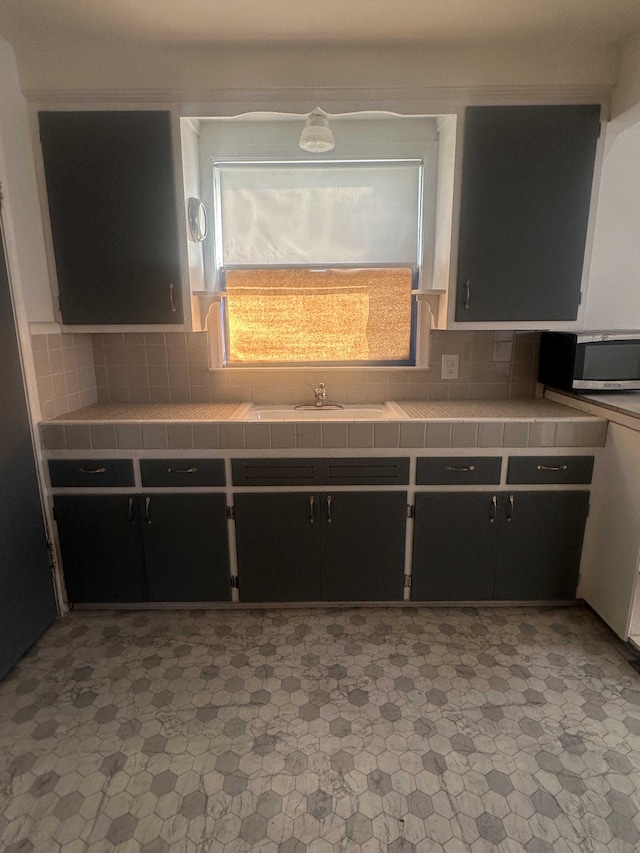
(312, 501)
(562, 467)
(182, 470)
(147, 514)
(92, 470)
(510, 508)
(329, 499)
(466, 468)
(494, 508)
(131, 515)
(171, 299)
(467, 294)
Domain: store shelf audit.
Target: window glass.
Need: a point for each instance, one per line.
(297, 316)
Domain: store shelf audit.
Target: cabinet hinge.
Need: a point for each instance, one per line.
(235, 582)
(231, 512)
(407, 581)
(411, 511)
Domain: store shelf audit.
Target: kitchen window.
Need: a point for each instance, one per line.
(339, 258)
(318, 260)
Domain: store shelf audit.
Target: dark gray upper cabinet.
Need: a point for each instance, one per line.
(112, 203)
(526, 189)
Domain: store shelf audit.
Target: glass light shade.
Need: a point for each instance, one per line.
(316, 135)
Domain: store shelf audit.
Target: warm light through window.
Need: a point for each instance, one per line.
(302, 316)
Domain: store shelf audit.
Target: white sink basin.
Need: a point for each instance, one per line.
(370, 412)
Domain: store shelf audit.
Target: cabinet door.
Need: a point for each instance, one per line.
(363, 545)
(540, 545)
(112, 204)
(101, 548)
(278, 546)
(526, 190)
(455, 546)
(186, 547)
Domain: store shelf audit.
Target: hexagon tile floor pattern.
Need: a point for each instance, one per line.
(309, 731)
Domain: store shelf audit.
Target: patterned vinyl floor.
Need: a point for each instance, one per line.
(309, 731)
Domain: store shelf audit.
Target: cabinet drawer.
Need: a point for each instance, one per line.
(458, 470)
(182, 472)
(358, 471)
(550, 469)
(365, 472)
(274, 472)
(90, 473)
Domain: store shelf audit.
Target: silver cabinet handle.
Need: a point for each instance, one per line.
(466, 468)
(312, 501)
(131, 515)
(467, 294)
(510, 508)
(147, 514)
(171, 299)
(329, 499)
(92, 470)
(562, 467)
(182, 470)
(494, 508)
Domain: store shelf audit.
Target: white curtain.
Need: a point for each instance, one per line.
(319, 213)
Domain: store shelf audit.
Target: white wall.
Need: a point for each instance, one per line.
(613, 295)
(29, 271)
(626, 95)
(102, 65)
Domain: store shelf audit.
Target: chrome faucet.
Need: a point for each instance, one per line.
(320, 395)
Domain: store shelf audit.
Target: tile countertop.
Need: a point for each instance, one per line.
(530, 423)
(464, 410)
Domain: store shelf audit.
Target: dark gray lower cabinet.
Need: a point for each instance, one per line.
(363, 544)
(101, 546)
(540, 545)
(345, 546)
(129, 548)
(186, 547)
(455, 546)
(278, 545)
(510, 546)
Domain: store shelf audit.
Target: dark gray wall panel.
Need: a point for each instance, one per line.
(27, 602)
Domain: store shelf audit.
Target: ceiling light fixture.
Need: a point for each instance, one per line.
(316, 135)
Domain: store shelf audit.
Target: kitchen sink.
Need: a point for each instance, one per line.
(367, 412)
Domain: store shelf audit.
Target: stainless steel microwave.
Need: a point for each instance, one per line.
(590, 361)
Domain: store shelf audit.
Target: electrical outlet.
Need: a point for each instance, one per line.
(450, 366)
